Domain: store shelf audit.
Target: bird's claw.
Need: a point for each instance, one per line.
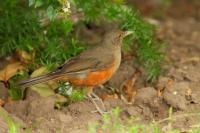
(93, 98)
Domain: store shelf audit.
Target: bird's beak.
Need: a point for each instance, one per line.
(126, 33)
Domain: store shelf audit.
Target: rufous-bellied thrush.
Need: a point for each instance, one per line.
(91, 68)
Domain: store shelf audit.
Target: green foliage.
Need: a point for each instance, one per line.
(20, 29)
(51, 13)
(66, 90)
(18, 26)
(38, 30)
(52, 7)
(77, 96)
(15, 92)
(112, 123)
(13, 127)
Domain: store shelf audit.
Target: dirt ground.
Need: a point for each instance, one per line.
(178, 86)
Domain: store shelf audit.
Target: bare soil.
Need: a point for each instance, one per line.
(178, 86)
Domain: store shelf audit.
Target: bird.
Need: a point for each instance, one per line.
(91, 68)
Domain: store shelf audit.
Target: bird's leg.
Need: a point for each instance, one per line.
(99, 110)
(93, 97)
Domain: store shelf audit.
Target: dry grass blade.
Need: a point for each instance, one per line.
(10, 70)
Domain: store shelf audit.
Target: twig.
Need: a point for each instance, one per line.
(177, 116)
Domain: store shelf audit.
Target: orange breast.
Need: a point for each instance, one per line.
(95, 78)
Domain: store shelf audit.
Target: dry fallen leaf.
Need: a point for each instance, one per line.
(25, 57)
(128, 87)
(10, 70)
(164, 83)
(39, 71)
(44, 89)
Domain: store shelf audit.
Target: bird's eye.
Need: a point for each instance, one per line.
(120, 35)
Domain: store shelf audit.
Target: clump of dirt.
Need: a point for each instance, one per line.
(176, 95)
(180, 84)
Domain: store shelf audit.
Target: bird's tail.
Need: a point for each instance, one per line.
(39, 79)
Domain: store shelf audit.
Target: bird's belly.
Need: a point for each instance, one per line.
(95, 78)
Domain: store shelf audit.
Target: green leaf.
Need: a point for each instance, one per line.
(51, 13)
(77, 96)
(13, 127)
(67, 26)
(38, 3)
(31, 2)
(15, 92)
(44, 89)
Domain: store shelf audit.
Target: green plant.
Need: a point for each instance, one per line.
(51, 39)
(18, 27)
(112, 123)
(13, 127)
(15, 92)
(67, 91)
(77, 96)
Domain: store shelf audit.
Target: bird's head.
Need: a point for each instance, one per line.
(116, 37)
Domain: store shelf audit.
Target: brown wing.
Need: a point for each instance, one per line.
(79, 65)
(71, 68)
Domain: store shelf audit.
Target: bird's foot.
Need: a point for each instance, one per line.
(93, 98)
